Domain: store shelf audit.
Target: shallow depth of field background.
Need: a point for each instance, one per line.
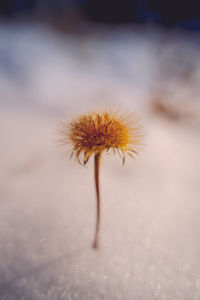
(54, 66)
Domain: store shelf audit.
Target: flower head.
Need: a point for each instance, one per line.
(95, 132)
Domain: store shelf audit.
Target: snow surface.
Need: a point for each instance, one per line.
(149, 239)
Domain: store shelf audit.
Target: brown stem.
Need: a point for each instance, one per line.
(96, 176)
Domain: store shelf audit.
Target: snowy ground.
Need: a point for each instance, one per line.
(149, 239)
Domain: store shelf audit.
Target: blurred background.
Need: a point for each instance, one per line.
(61, 58)
(170, 14)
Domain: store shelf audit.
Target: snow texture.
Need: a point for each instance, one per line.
(149, 238)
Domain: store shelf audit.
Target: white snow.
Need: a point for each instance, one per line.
(149, 239)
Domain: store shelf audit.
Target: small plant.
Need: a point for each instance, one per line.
(93, 133)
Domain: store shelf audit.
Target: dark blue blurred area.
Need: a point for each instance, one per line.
(10, 7)
(177, 13)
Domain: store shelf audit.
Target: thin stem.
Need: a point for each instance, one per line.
(97, 158)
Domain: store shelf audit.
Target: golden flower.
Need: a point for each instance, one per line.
(93, 133)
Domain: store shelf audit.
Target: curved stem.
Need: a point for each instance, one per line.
(97, 158)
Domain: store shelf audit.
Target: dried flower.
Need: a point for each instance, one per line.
(94, 133)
